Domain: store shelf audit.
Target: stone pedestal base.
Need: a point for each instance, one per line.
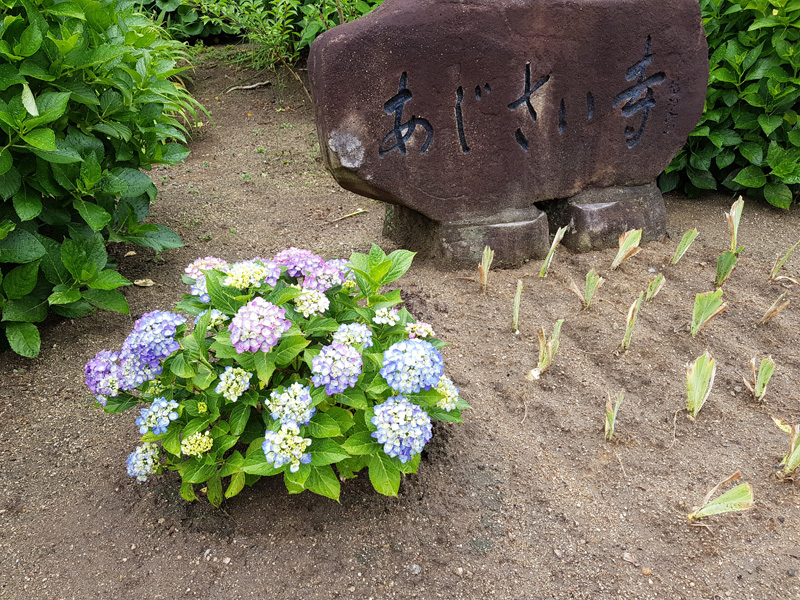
(514, 235)
(597, 217)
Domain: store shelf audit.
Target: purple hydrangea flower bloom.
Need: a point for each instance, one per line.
(337, 367)
(197, 268)
(353, 333)
(102, 375)
(323, 277)
(258, 326)
(144, 461)
(412, 365)
(298, 262)
(151, 341)
(403, 427)
(158, 416)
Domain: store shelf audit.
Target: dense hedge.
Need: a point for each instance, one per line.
(748, 139)
(86, 101)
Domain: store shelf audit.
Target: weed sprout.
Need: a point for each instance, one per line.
(549, 258)
(736, 499)
(628, 246)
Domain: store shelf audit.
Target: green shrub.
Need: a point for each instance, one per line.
(279, 29)
(182, 19)
(748, 138)
(85, 102)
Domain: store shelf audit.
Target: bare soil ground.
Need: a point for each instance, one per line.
(525, 500)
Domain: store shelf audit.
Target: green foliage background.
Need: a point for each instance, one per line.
(86, 101)
(748, 139)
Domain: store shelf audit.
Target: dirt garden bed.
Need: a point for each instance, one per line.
(525, 500)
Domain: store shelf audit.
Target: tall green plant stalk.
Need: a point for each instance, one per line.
(484, 266)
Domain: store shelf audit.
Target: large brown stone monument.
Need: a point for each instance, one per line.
(471, 117)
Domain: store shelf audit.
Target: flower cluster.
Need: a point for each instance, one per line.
(298, 263)
(386, 316)
(286, 446)
(292, 405)
(139, 360)
(258, 326)
(412, 365)
(419, 330)
(252, 273)
(337, 367)
(311, 302)
(196, 270)
(197, 444)
(353, 333)
(402, 427)
(157, 417)
(102, 376)
(233, 382)
(144, 461)
(450, 392)
(217, 318)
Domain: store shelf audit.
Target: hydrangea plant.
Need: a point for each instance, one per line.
(293, 366)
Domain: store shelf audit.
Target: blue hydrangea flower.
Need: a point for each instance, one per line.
(311, 302)
(151, 341)
(233, 382)
(102, 375)
(412, 365)
(252, 273)
(144, 461)
(403, 427)
(258, 326)
(337, 367)
(450, 393)
(292, 405)
(353, 333)
(157, 417)
(286, 446)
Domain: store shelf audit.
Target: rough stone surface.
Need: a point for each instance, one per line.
(515, 236)
(460, 109)
(423, 102)
(597, 217)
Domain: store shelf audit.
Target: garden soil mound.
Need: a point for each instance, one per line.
(524, 500)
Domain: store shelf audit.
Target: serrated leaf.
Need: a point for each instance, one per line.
(66, 296)
(384, 475)
(236, 485)
(288, 349)
(26, 310)
(323, 481)
(108, 280)
(24, 339)
(361, 443)
(107, 300)
(27, 204)
(21, 280)
(752, 177)
(323, 425)
(41, 139)
(325, 452)
(238, 419)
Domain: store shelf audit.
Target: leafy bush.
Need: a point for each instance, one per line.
(182, 19)
(85, 102)
(293, 365)
(279, 29)
(748, 138)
